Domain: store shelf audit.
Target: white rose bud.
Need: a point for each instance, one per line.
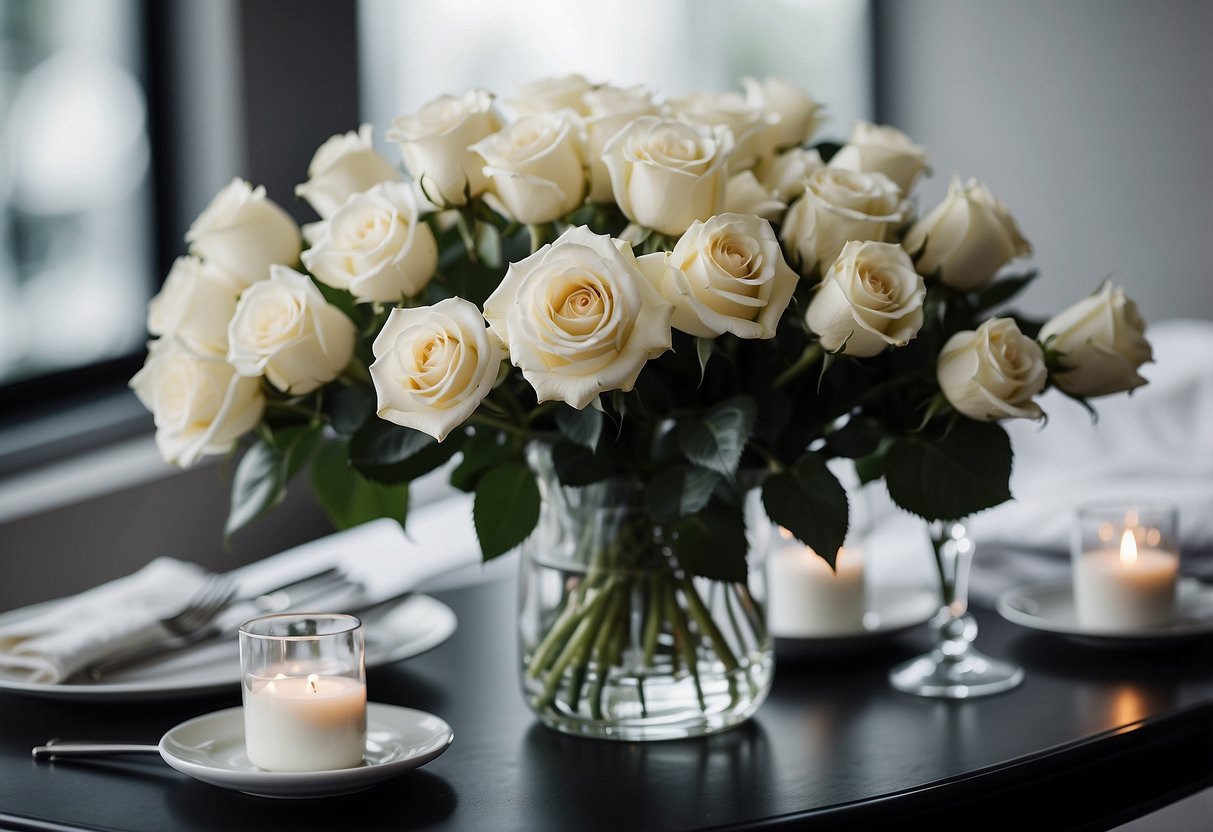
(870, 299)
(1101, 341)
(579, 317)
(785, 175)
(967, 238)
(374, 246)
(750, 125)
(433, 366)
(434, 143)
(535, 167)
(285, 330)
(993, 372)
(838, 206)
(244, 233)
(882, 149)
(199, 404)
(344, 165)
(610, 110)
(666, 174)
(799, 115)
(566, 92)
(725, 275)
(195, 306)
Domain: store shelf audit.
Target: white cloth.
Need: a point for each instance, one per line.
(48, 642)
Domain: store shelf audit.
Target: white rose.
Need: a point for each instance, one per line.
(579, 317)
(785, 175)
(567, 92)
(535, 167)
(344, 165)
(869, 299)
(838, 206)
(200, 404)
(285, 330)
(195, 305)
(375, 247)
(666, 174)
(882, 149)
(993, 372)
(799, 115)
(434, 143)
(244, 233)
(1101, 342)
(746, 195)
(726, 275)
(610, 110)
(967, 238)
(433, 366)
(750, 125)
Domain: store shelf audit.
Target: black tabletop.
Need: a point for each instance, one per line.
(1091, 739)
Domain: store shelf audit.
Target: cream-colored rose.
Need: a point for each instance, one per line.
(666, 174)
(200, 405)
(546, 95)
(435, 142)
(344, 165)
(993, 372)
(870, 299)
(285, 330)
(610, 110)
(752, 126)
(433, 366)
(195, 305)
(244, 233)
(1101, 342)
(882, 149)
(967, 238)
(746, 195)
(375, 247)
(725, 275)
(799, 115)
(786, 174)
(579, 317)
(838, 206)
(535, 167)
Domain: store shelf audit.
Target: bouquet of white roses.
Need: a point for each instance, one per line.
(684, 296)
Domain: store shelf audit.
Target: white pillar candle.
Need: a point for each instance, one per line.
(1129, 588)
(806, 598)
(305, 723)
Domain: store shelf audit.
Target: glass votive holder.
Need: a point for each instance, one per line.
(1125, 566)
(303, 679)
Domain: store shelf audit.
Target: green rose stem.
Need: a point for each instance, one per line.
(682, 641)
(707, 626)
(580, 641)
(811, 355)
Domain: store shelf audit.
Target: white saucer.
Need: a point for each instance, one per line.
(1050, 607)
(210, 748)
(894, 611)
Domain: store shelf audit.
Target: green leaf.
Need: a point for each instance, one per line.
(576, 465)
(704, 347)
(348, 498)
(348, 407)
(713, 544)
(857, 438)
(951, 476)
(263, 472)
(1002, 290)
(809, 502)
(717, 440)
(581, 427)
(480, 453)
(506, 508)
(390, 454)
(674, 493)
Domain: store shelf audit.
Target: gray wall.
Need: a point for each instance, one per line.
(1091, 119)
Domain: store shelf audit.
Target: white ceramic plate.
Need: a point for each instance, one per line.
(895, 610)
(1050, 607)
(393, 632)
(210, 748)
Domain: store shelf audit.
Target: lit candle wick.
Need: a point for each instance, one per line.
(1128, 548)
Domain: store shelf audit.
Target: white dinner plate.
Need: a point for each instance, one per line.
(894, 611)
(1049, 607)
(210, 748)
(393, 632)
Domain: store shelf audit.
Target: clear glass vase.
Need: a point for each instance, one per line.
(617, 641)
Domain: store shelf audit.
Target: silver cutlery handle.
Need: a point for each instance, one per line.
(55, 748)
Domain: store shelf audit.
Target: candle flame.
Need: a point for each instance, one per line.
(312, 679)
(1128, 548)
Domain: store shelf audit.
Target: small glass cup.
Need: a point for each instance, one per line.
(303, 678)
(1125, 566)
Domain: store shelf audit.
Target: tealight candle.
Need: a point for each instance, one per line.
(1126, 567)
(806, 598)
(304, 688)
